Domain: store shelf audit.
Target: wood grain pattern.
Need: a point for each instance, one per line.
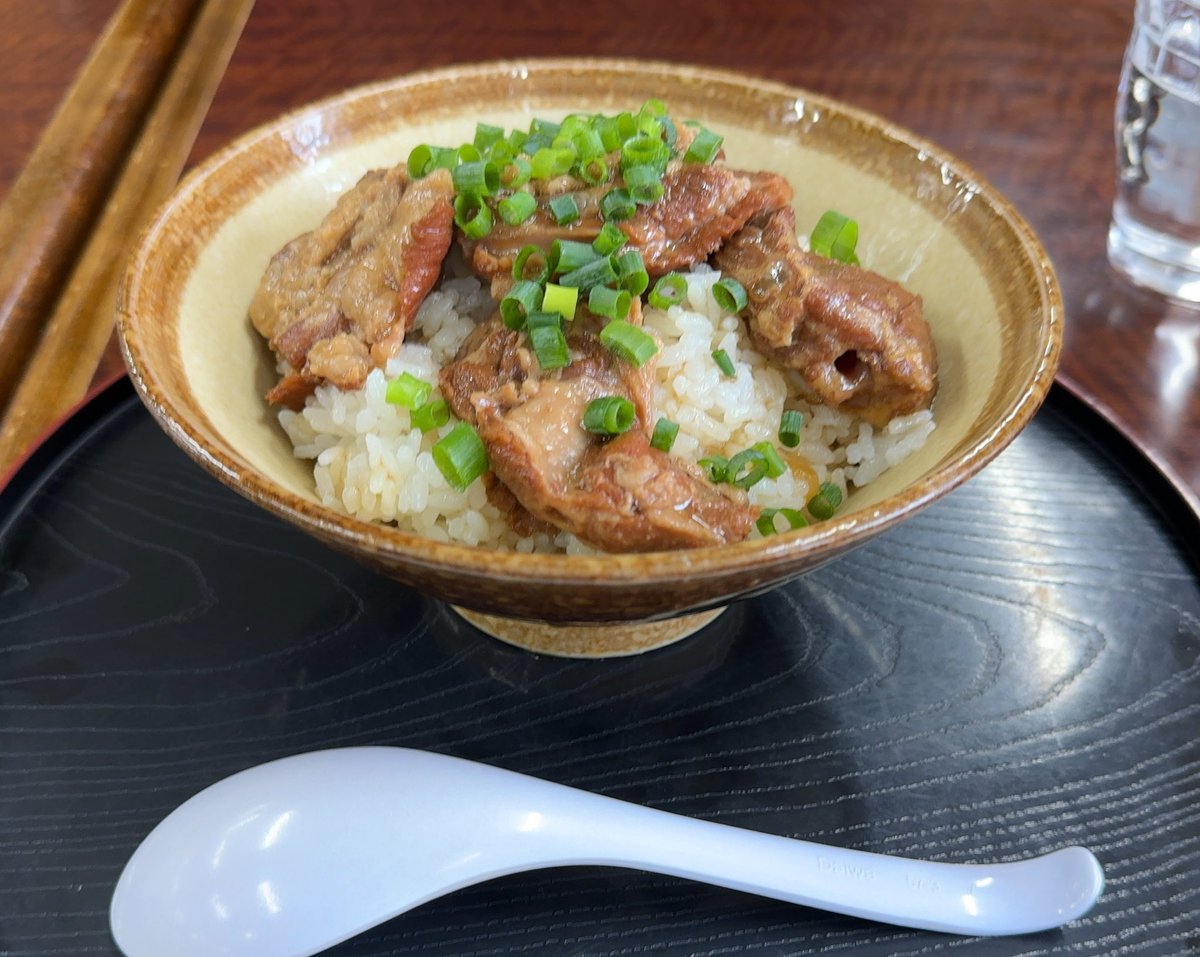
(1022, 91)
(58, 373)
(47, 215)
(1008, 673)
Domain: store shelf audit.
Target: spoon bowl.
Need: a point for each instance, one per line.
(291, 857)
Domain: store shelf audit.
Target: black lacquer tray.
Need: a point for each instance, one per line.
(1015, 670)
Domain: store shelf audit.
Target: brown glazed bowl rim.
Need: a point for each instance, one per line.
(747, 566)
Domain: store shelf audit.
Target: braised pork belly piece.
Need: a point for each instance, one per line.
(616, 494)
(702, 205)
(337, 301)
(858, 340)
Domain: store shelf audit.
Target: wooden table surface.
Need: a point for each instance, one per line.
(1020, 90)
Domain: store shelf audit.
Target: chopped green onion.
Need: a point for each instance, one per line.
(549, 162)
(432, 415)
(516, 138)
(645, 150)
(564, 209)
(588, 144)
(424, 159)
(631, 269)
(517, 208)
(478, 177)
(653, 107)
(664, 435)
(609, 240)
(594, 171)
(460, 456)
(569, 255)
(608, 129)
(487, 136)
(715, 468)
(467, 153)
(523, 298)
(644, 184)
(790, 424)
(407, 390)
(561, 299)
(747, 468)
(473, 216)
(724, 363)
(546, 128)
(765, 523)
(501, 153)
(515, 173)
(668, 291)
(539, 318)
(548, 342)
(609, 415)
(536, 256)
(608, 302)
(598, 272)
(628, 342)
(827, 501)
(775, 466)
(704, 148)
(730, 295)
(835, 236)
(617, 205)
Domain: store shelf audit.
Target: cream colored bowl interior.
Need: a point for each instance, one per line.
(905, 234)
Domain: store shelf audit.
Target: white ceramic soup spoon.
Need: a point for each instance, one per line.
(289, 858)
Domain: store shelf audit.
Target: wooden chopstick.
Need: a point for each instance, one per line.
(68, 335)
(46, 215)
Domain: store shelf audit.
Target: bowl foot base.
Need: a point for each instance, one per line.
(589, 641)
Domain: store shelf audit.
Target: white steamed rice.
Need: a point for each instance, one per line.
(371, 463)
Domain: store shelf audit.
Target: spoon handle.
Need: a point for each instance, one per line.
(1018, 897)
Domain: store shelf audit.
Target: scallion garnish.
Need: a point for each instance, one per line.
(564, 209)
(617, 205)
(515, 173)
(472, 215)
(608, 302)
(790, 424)
(531, 263)
(523, 298)
(747, 468)
(477, 178)
(548, 342)
(460, 456)
(668, 291)
(827, 501)
(517, 208)
(765, 523)
(775, 466)
(724, 363)
(704, 147)
(487, 136)
(715, 467)
(835, 236)
(645, 149)
(644, 184)
(561, 299)
(407, 390)
(598, 272)
(568, 255)
(549, 162)
(664, 434)
(609, 240)
(609, 415)
(631, 269)
(628, 342)
(730, 295)
(432, 415)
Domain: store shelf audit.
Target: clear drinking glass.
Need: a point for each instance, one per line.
(1154, 238)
